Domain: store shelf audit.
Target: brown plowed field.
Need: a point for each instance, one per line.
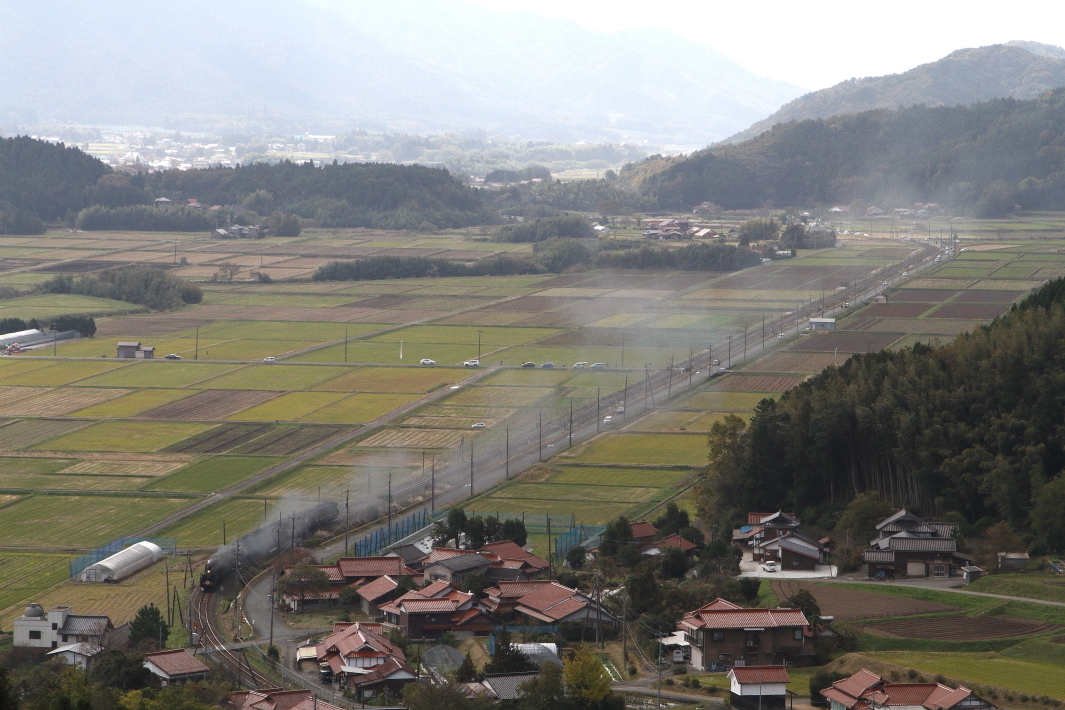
(987, 296)
(212, 404)
(560, 281)
(922, 295)
(895, 310)
(845, 342)
(289, 440)
(800, 362)
(960, 628)
(61, 401)
(219, 439)
(756, 383)
(855, 605)
(982, 311)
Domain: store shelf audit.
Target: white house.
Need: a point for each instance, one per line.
(39, 629)
(76, 654)
(754, 687)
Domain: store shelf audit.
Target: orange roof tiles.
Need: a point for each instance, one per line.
(176, 663)
(753, 675)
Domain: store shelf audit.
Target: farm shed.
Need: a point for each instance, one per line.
(122, 564)
(76, 654)
(756, 687)
(822, 324)
(880, 298)
(135, 350)
(176, 666)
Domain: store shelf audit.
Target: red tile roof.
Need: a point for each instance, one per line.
(378, 588)
(270, 699)
(444, 553)
(510, 550)
(516, 590)
(373, 567)
(178, 662)
(753, 675)
(719, 614)
(642, 528)
(858, 683)
(671, 541)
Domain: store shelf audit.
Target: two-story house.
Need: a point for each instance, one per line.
(722, 634)
(866, 690)
(907, 546)
(430, 612)
(57, 627)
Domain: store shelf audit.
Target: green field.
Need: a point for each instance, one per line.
(161, 373)
(132, 404)
(660, 449)
(57, 373)
(389, 353)
(272, 377)
(213, 474)
(71, 521)
(465, 335)
(123, 436)
(619, 476)
(358, 408)
(415, 380)
(204, 529)
(990, 668)
(308, 480)
(288, 407)
(24, 574)
(1033, 586)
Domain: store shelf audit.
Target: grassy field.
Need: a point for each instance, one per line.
(73, 521)
(288, 407)
(123, 436)
(212, 474)
(204, 529)
(24, 574)
(358, 408)
(990, 668)
(1032, 586)
(661, 449)
(160, 373)
(272, 377)
(132, 404)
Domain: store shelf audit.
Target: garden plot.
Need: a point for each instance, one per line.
(971, 311)
(894, 310)
(213, 474)
(416, 438)
(960, 628)
(288, 407)
(21, 434)
(908, 295)
(110, 467)
(220, 438)
(1005, 285)
(28, 480)
(61, 401)
(844, 342)
(56, 374)
(931, 325)
(944, 284)
(80, 521)
(974, 296)
(799, 362)
(272, 377)
(114, 435)
(855, 605)
(10, 395)
(286, 441)
(754, 383)
(209, 405)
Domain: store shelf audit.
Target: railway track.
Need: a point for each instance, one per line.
(214, 644)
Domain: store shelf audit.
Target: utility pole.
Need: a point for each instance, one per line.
(669, 391)
(347, 500)
(345, 343)
(571, 422)
(730, 352)
(744, 341)
(432, 486)
(540, 430)
(508, 454)
(471, 468)
(390, 501)
(197, 355)
(550, 557)
(223, 531)
(624, 630)
(273, 581)
(597, 410)
(659, 705)
(479, 344)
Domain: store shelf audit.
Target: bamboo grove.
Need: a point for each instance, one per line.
(974, 429)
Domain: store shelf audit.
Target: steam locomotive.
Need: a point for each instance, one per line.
(265, 542)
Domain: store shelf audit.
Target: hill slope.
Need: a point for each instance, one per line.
(1019, 70)
(951, 155)
(326, 66)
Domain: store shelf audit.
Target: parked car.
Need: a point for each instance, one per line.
(608, 420)
(579, 365)
(548, 364)
(472, 363)
(597, 366)
(770, 566)
(172, 356)
(427, 361)
(717, 362)
(619, 410)
(528, 364)
(479, 425)
(269, 359)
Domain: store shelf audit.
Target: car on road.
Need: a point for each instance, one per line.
(479, 425)
(269, 359)
(883, 283)
(846, 304)
(770, 566)
(548, 364)
(427, 361)
(173, 356)
(597, 366)
(619, 410)
(905, 273)
(608, 420)
(580, 365)
(528, 364)
(717, 362)
(472, 363)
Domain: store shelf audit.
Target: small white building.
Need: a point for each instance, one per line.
(76, 654)
(822, 324)
(754, 687)
(39, 629)
(124, 563)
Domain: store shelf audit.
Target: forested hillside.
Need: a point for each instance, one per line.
(45, 179)
(1019, 70)
(955, 156)
(975, 428)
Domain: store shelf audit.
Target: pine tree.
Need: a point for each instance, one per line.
(148, 627)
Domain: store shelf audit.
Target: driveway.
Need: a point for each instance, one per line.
(750, 568)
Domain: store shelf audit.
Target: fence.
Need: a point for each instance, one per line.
(169, 545)
(574, 537)
(388, 535)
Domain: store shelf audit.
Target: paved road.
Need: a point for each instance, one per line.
(668, 695)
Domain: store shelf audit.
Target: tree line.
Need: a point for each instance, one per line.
(969, 431)
(147, 286)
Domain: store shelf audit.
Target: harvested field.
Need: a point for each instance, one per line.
(935, 326)
(946, 284)
(288, 407)
(755, 383)
(844, 342)
(213, 474)
(960, 628)
(27, 433)
(358, 408)
(660, 449)
(61, 401)
(1005, 285)
(212, 404)
(908, 295)
(158, 373)
(799, 362)
(499, 396)
(104, 467)
(132, 404)
(80, 521)
(855, 605)
(219, 439)
(116, 435)
(895, 310)
(976, 311)
(975, 296)
(416, 380)
(286, 441)
(58, 373)
(272, 377)
(532, 304)
(416, 438)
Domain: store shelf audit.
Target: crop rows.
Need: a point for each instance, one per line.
(219, 439)
(288, 441)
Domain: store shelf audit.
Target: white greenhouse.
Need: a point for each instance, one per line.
(122, 564)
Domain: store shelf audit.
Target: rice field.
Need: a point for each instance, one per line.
(112, 435)
(205, 528)
(80, 521)
(656, 449)
(212, 474)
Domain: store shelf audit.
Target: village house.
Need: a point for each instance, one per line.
(794, 550)
(76, 654)
(722, 634)
(431, 612)
(176, 666)
(39, 629)
(657, 547)
(362, 658)
(380, 591)
(497, 561)
(758, 687)
(866, 690)
(642, 532)
(907, 546)
(764, 527)
(551, 603)
(360, 570)
(278, 699)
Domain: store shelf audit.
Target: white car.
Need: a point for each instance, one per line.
(472, 363)
(770, 566)
(268, 359)
(597, 366)
(579, 365)
(479, 425)
(608, 420)
(427, 361)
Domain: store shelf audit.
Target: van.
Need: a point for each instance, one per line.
(579, 365)
(325, 673)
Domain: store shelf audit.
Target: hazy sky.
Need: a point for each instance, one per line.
(817, 44)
